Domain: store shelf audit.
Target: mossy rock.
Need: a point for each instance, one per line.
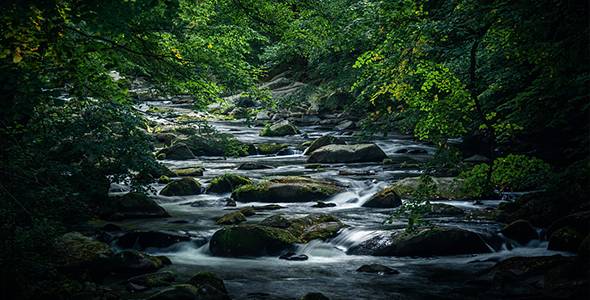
(323, 141)
(277, 221)
(386, 198)
(270, 148)
(164, 179)
(183, 187)
(141, 240)
(520, 231)
(134, 262)
(347, 154)
(250, 240)
(178, 151)
(445, 188)
(283, 128)
(133, 205)
(287, 189)
(164, 278)
(253, 166)
(208, 278)
(177, 292)
(191, 172)
(232, 218)
(444, 210)
(315, 226)
(227, 183)
(74, 250)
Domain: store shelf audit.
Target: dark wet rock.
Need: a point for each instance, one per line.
(323, 141)
(210, 145)
(520, 231)
(147, 281)
(165, 138)
(110, 227)
(584, 249)
(386, 198)
(189, 172)
(347, 154)
(278, 221)
(579, 221)
(179, 151)
(141, 240)
(437, 241)
(133, 205)
(226, 183)
(230, 202)
(286, 189)
(345, 125)
(134, 262)
(565, 239)
(285, 151)
(232, 218)
(321, 204)
(250, 240)
(377, 268)
(248, 211)
(542, 277)
(292, 256)
(177, 292)
(283, 128)
(76, 252)
(314, 296)
(183, 187)
(268, 207)
(270, 148)
(181, 221)
(208, 279)
(253, 166)
(417, 151)
(444, 210)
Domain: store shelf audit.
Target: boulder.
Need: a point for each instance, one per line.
(444, 188)
(253, 166)
(134, 262)
(177, 292)
(183, 187)
(248, 211)
(286, 189)
(208, 280)
(314, 296)
(386, 198)
(315, 226)
(250, 240)
(227, 183)
(565, 239)
(347, 154)
(323, 141)
(292, 256)
(189, 172)
(232, 218)
(322, 204)
(377, 268)
(438, 241)
(270, 148)
(444, 210)
(76, 252)
(345, 125)
(133, 205)
(283, 128)
(141, 240)
(520, 231)
(147, 281)
(178, 151)
(165, 138)
(278, 221)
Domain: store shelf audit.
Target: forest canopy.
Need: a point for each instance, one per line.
(512, 77)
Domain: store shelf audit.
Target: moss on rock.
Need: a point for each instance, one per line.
(250, 240)
(183, 187)
(227, 183)
(286, 189)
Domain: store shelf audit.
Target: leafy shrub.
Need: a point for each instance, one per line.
(510, 173)
(520, 172)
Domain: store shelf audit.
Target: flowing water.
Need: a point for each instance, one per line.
(329, 269)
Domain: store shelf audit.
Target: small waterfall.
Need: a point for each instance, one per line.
(351, 237)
